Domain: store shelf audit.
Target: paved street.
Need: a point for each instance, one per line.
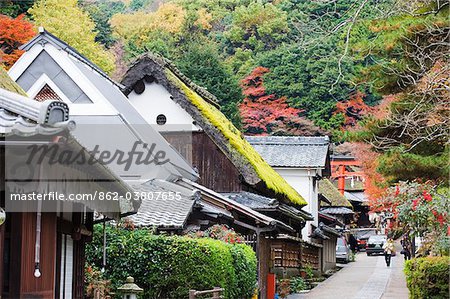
(368, 277)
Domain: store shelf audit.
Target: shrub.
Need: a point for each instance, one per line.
(298, 284)
(168, 266)
(244, 263)
(428, 277)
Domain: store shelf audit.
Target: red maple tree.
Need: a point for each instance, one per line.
(374, 184)
(264, 114)
(13, 33)
(354, 110)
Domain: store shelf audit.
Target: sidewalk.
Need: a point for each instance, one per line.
(368, 277)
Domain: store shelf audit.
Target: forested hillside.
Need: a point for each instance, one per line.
(369, 70)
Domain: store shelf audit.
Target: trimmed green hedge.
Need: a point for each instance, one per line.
(168, 266)
(428, 277)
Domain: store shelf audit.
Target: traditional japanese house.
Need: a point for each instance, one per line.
(50, 68)
(332, 229)
(302, 161)
(225, 161)
(334, 203)
(286, 249)
(42, 243)
(198, 208)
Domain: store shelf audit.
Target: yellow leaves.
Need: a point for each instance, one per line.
(389, 46)
(170, 17)
(204, 19)
(72, 25)
(138, 26)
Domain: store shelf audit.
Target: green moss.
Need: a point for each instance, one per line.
(237, 143)
(330, 192)
(7, 83)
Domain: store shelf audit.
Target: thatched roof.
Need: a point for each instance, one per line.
(332, 194)
(204, 109)
(7, 83)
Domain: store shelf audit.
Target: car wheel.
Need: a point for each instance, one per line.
(369, 254)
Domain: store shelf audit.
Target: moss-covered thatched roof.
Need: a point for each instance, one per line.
(7, 83)
(203, 108)
(330, 192)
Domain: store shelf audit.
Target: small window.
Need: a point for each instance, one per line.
(161, 119)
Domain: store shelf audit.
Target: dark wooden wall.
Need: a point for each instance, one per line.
(43, 287)
(215, 169)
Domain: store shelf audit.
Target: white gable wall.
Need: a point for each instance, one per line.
(156, 100)
(99, 106)
(302, 181)
(109, 109)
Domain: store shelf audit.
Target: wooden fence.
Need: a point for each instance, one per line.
(193, 294)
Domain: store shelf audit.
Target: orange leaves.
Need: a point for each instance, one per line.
(13, 33)
(374, 183)
(264, 114)
(353, 109)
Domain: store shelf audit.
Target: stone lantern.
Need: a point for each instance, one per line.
(130, 290)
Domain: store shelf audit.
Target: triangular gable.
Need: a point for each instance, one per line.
(98, 100)
(203, 108)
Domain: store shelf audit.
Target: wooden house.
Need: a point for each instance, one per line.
(188, 116)
(50, 68)
(302, 161)
(334, 203)
(105, 122)
(42, 243)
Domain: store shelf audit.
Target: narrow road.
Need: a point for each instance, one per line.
(367, 277)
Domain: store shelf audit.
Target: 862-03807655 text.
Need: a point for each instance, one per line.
(97, 195)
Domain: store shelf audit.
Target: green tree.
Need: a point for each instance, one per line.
(71, 24)
(257, 27)
(14, 8)
(201, 62)
(101, 13)
(306, 78)
(409, 57)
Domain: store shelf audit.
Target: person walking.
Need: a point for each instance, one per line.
(353, 243)
(406, 245)
(388, 251)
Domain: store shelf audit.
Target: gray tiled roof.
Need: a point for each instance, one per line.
(292, 151)
(261, 203)
(337, 211)
(162, 212)
(22, 116)
(356, 196)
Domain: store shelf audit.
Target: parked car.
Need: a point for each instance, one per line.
(362, 235)
(375, 244)
(342, 250)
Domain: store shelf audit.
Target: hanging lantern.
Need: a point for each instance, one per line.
(2, 216)
(37, 245)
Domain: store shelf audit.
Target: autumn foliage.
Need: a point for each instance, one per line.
(13, 33)
(264, 114)
(354, 109)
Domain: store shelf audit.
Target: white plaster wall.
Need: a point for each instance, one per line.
(156, 100)
(302, 181)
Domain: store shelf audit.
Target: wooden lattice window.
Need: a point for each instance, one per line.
(46, 93)
(285, 256)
